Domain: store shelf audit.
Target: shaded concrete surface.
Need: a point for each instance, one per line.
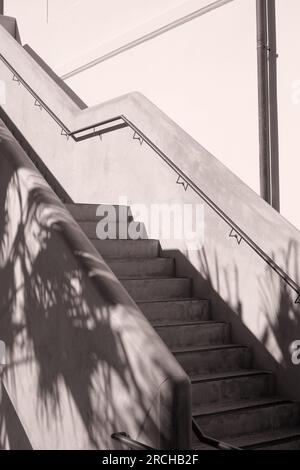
(279, 313)
(233, 398)
(12, 433)
(83, 361)
(36, 160)
(10, 24)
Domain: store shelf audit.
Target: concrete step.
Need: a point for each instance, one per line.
(291, 443)
(114, 230)
(143, 267)
(177, 335)
(280, 439)
(231, 386)
(127, 248)
(176, 310)
(241, 418)
(209, 359)
(84, 212)
(156, 289)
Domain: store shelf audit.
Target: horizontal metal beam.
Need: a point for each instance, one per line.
(147, 37)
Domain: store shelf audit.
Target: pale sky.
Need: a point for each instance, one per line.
(202, 74)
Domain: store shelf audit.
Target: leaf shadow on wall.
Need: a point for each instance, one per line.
(64, 344)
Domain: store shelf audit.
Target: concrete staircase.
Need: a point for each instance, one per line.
(231, 400)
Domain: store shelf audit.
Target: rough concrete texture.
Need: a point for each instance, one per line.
(82, 360)
(242, 287)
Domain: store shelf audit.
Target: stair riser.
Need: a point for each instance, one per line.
(237, 388)
(176, 311)
(158, 267)
(127, 248)
(241, 422)
(90, 212)
(194, 335)
(215, 360)
(156, 289)
(114, 230)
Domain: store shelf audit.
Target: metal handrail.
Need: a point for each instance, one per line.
(121, 121)
(38, 100)
(211, 441)
(125, 439)
(147, 37)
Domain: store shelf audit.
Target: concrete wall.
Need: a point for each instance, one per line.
(197, 73)
(203, 74)
(241, 286)
(10, 25)
(82, 360)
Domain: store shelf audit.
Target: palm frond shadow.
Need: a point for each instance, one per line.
(59, 328)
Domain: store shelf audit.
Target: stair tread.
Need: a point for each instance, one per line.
(154, 278)
(264, 437)
(183, 299)
(139, 260)
(237, 405)
(94, 204)
(207, 348)
(257, 439)
(121, 240)
(87, 212)
(228, 375)
(186, 323)
(111, 259)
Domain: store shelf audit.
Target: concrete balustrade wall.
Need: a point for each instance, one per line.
(82, 361)
(10, 24)
(242, 287)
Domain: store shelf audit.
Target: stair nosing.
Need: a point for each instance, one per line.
(108, 258)
(288, 434)
(154, 279)
(126, 240)
(216, 347)
(240, 406)
(213, 377)
(183, 299)
(130, 259)
(187, 323)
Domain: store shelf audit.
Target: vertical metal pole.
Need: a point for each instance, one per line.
(263, 100)
(273, 104)
(1, 7)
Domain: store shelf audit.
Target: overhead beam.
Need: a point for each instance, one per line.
(210, 6)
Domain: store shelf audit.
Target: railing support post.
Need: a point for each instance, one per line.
(1, 7)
